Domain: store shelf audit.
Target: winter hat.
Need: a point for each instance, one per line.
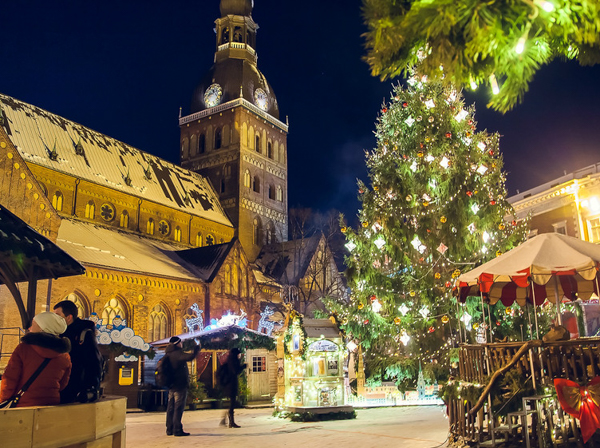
(51, 323)
(175, 340)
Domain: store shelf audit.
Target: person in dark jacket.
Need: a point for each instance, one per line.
(84, 385)
(180, 383)
(41, 342)
(229, 382)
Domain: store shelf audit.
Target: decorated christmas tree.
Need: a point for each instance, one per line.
(435, 207)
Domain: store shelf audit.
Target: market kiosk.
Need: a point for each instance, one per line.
(313, 367)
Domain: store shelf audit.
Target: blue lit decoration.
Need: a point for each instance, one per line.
(264, 322)
(118, 332)
(197, 321)
(228, 320)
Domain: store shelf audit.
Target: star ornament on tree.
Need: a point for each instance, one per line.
(442, 248)
(581, 402)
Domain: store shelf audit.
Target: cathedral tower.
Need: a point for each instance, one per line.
(233, 134)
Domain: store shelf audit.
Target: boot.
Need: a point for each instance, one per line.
(231, 422)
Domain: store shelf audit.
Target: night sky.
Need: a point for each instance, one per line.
(124, 68)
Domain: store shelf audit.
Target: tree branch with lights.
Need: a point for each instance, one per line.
(499, 44)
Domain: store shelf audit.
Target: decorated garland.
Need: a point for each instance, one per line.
(295, 318)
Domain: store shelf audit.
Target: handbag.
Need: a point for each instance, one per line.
(14, 400)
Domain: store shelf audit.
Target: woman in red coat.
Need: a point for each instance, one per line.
(41, 342)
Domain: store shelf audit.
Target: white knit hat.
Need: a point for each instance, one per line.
(51, 323)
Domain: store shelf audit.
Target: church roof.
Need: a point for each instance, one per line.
(111, 248)
(208, 259)
(51, 141)
(288, 261)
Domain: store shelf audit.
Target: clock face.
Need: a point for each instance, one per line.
(260, 98)
(212, 96)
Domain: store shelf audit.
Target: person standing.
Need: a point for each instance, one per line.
(84, 385)
(180, 383)
(229, 382)
(40, 343)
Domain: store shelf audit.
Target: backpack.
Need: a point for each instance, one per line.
(164, 372)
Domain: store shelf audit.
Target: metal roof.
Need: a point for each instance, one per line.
(48, 140)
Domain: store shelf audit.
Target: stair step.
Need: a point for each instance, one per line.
(492, 444)
(503, 428)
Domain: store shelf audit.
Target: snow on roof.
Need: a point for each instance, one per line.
(315, 328)
(115, 249)
(48, 140)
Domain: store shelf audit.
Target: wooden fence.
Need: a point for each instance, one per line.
(577, 360)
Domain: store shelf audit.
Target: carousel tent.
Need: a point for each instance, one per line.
(549, 265)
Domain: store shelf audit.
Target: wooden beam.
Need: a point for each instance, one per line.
(8, 279)
(31, 294)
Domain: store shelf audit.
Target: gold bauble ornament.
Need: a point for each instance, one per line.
(443, 219)
(425, 203)
(397, 321)
(365, 224)
(412, 293)
(344, 229)
(420, 154)
(475, 325)
(360, 306)
(438, 275)
(508, 311)
(456, 273)
(445, 319)
(498, 253)
(501, 226)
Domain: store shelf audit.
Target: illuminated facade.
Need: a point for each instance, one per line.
(569, 205)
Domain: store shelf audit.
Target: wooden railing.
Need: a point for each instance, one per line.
(577, 360)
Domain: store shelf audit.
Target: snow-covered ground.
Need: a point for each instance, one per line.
(406, 427)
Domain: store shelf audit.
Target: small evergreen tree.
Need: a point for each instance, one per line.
(435, 207)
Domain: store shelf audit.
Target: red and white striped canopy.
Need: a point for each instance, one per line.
(511, 276)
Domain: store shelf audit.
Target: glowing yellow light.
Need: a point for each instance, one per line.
(521, 45)
(494, 84)
(547, 6)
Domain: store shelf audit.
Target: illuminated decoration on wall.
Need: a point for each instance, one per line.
(126, 358)
(323, 345)
(118, 332)
(228, 320)
(264, 323)
(197, 321)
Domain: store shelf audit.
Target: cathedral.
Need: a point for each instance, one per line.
(160, 242)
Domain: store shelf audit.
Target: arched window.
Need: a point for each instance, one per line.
(237, 34)
(225, 35)
(270, 233)
(113, 308)
(269, 150)
(210, 240)
(256, 184)
(222, 189)
(256, 231)
(227, 171)
(235, 276)
(57, 201)
(90, 210)
(271, 191)
(150, 227)
(177, 234)
(281, 154)
(193, 147)
(199, 240)
(227, 279)
(257, 143)
(247, 179)
(279, 193)
(124, 221)
(202, 144)
(244, 284)
(82, 311)
(157, 324)
(218, 138)
(185, 148)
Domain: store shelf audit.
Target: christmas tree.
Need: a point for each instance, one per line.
(435, 207)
